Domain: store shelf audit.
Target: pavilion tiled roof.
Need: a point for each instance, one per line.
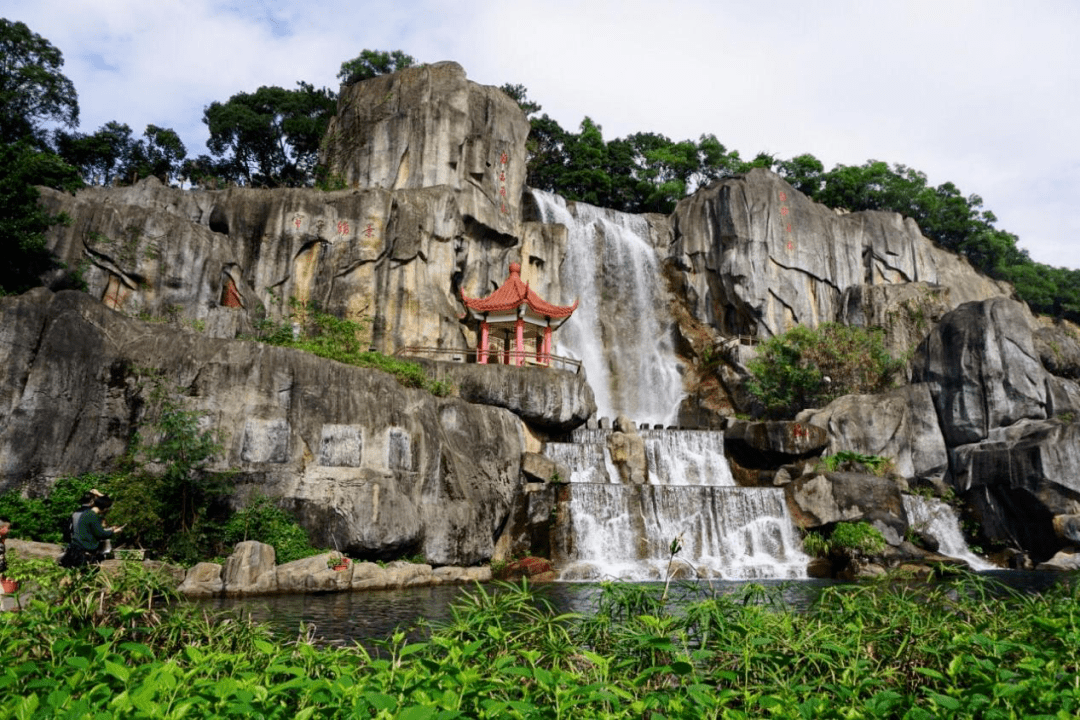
(512, 294)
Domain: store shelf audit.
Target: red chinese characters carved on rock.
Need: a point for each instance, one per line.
(503, 160)
(785, 212)
(369, 231)
(343, 227)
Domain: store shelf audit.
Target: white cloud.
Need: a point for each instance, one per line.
(980, 93)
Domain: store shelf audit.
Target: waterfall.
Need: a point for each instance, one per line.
(625, 531)
(622, 331)
(938, 519)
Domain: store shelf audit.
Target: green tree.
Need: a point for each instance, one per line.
(264, 520)
(370, 63)
(585, 178)
(168, 494)
(806, 367)
(160, 153)
(804, 173)
(23, 221)
(520, 95)
(205, 172)
(99, 156)
(547, 159)
(270, 138)
(33, 91)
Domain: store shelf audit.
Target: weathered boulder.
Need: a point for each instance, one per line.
(369, 466)
(401, 574)
(1063, 561)
(757, 257)
(1058, 345)
(1067, 527)
(203, 580)
(775, 438)
(313, 574)
(528, 530)
(905, 312)
(1020, 481)
(627, 451)
(31, 550)
(827, 498)
(537, 570)
(368, 576)
(250, 570)
(983, 370)
(1062, 397)
(547, 398)
(539, 469)
(429, 126)
(900, 424)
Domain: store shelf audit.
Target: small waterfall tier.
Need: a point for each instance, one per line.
(938, 519)
(616, 530)
(675, 457)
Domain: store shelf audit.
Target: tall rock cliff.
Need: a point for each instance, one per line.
(371, 467)
(429, 126)
(756, 257)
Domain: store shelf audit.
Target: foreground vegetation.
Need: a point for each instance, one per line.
(102, 647)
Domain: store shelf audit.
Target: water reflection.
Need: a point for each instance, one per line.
(372, 616)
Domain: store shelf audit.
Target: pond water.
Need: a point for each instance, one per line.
(365, 617)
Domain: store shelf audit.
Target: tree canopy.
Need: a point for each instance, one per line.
(370, 63)
(270, 138)
(33, 91)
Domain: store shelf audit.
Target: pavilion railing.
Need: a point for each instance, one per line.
(529, 358)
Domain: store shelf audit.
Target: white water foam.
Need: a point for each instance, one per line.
(939, 520)
(625, 531)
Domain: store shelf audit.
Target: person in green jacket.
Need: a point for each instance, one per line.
(89, 534)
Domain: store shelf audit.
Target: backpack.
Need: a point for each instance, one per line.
(67, 527)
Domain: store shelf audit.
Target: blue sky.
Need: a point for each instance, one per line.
(983, 94)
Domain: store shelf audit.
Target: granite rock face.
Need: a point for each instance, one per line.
(981, 418)
(369, 466)
(429, 126)
(222, 261)
(757, 257)
(901, 424)
(547, 398)
(983, 370)
(827, 498)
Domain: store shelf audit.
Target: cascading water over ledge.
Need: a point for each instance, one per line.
(616, 530)
(622, 331)
(938, 519)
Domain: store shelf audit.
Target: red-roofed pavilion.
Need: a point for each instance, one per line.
(514, 307)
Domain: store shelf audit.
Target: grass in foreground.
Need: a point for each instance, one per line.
(99, 647)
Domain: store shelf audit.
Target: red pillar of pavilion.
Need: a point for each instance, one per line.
(519, 342)
(482, 350)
